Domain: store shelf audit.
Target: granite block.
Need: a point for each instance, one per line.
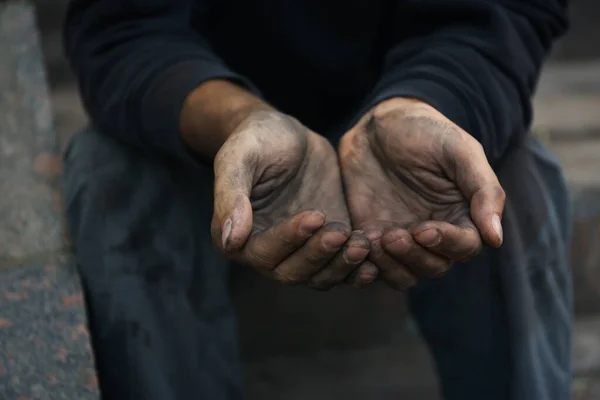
(44, 343)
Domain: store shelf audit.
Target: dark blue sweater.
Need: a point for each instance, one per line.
(323, 61)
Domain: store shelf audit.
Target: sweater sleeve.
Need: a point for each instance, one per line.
(136, 62)
(475, 61)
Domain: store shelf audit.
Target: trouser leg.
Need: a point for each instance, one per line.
(499, 327)
(161, 321)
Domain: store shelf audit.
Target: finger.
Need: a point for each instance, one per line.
(313, 255)
(478, 183)
(345, 262)
(393, 272)
(457, 242)
(267, 249)
(234, 173)
(399, 244)
(366, 273)
(487, 205)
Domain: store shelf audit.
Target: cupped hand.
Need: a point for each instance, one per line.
(422, 190)
(279, 205)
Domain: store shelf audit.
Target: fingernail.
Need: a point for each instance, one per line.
(497, 225)
(226, 229)
(365, 279)
(429, 237)
(354, 255)
(334, 240)
(311, 224)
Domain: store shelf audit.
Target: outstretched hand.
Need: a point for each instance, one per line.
(422, 190)
(279, 205)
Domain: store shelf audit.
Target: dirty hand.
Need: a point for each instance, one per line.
(279, 205)
(422, 190)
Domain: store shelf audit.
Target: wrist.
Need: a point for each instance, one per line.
(395, 103)
(381, 114)
(212, 112)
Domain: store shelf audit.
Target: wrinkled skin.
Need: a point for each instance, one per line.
(422, 190)
(279, 205)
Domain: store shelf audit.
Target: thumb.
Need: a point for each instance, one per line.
(234, 174)
(478, 183)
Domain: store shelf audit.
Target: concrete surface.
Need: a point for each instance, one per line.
(44, 347)
(44, 344)
(567, 117)
(401, 369)
(29, 159)
(568, 100)
(581, 41)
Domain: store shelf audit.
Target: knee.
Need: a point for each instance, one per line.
(110, 179)
(89, 149)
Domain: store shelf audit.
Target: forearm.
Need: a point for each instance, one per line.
(212, 112)
(475, 61)
(137, 63)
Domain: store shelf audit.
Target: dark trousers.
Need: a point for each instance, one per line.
(163, 325)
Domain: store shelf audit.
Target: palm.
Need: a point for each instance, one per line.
(279, 205)
(299, 173)
(410, 176)
(398, 184)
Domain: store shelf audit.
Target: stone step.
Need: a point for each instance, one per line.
(400, 369)
(44, 343)
(29, 162)
(567, 119)
(567, 103)
(578, 43)
(44, 347)
(586, 345)
(581, 163)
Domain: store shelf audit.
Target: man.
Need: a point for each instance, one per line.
(428, 103)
